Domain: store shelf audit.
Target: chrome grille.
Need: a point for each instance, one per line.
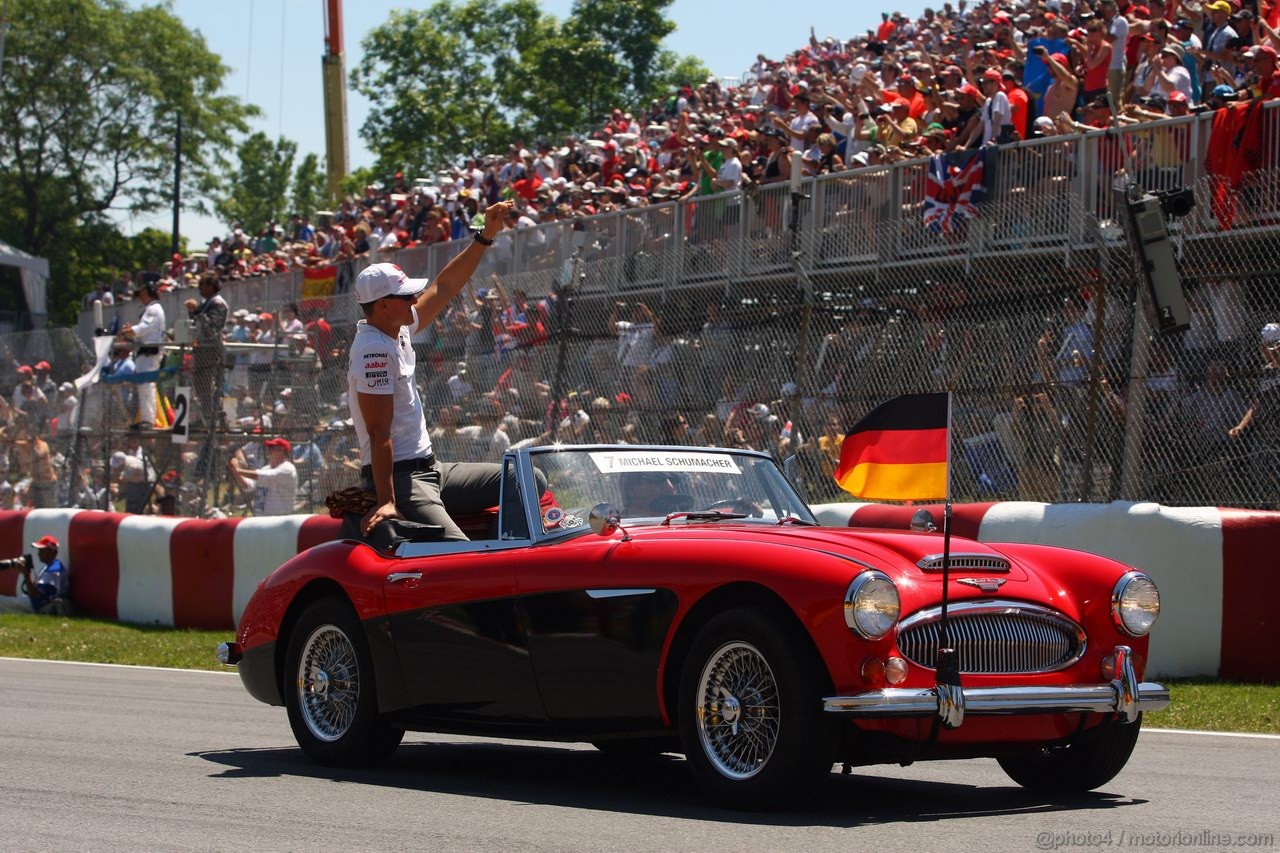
(995, 637)
(984, 562)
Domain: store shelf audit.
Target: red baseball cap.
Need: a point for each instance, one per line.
(45, 542)
(265, 317)
(991, 74)
(282, 443)
(1176, 97)
(26, 368)
(43, 365)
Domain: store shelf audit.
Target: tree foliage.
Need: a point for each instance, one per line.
(310, 191)
(466, 77)
(91, 94)
(257, 192)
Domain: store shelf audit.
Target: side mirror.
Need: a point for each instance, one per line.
(922, 522)
(604, 519)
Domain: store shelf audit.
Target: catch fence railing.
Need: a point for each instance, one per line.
(1031, 312)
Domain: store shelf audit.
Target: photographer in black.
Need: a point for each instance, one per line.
(48, 588)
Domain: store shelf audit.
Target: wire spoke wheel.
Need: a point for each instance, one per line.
(738, 715)
(328, 683)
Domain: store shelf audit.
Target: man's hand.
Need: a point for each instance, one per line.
(388, 510)
(494, 215)
(191, 305)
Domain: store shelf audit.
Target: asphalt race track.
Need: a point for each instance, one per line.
(118, 758)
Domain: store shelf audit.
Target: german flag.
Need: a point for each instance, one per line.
(898, 452)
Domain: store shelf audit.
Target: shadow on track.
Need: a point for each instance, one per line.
(660, 786)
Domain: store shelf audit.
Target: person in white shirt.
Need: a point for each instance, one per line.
(398, 464)
(290, 322)
(729, 176)
(996, 112)
(147, 335)
(803, 120)
(1173, 75)
(1118, 36)
(275, 487)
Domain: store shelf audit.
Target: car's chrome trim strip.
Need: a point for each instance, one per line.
(618, 593)
(994, 701)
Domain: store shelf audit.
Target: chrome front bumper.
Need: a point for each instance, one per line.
(1123, 696)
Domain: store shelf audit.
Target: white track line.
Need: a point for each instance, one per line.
(1146, 729)
(122, 666)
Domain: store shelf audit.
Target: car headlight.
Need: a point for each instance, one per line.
(1135, 604)
(871, 605)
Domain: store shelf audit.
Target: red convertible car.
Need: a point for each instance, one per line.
(655, 599)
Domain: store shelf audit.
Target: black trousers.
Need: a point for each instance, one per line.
(428, 495)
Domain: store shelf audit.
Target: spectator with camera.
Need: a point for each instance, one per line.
(48, 587)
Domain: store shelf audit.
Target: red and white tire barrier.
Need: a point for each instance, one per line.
(190, 573)
(1217, 569)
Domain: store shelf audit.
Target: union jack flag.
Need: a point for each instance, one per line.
(952, 192)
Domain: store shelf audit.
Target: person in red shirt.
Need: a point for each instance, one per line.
(887, 28)
(1262, 59)
(527, 187)
(1019, 103)
(909, 91)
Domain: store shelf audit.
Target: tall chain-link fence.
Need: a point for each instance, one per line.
(715, 321)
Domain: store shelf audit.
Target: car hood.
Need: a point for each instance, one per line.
(897, 553)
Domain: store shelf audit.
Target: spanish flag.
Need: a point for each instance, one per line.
(899, 452)
(317, 287)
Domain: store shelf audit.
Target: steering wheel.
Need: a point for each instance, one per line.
(742, 505)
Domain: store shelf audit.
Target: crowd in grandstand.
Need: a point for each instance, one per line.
(954, 79)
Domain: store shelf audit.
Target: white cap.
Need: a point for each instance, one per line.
(117, 459)
(760, 410)
(380, 280)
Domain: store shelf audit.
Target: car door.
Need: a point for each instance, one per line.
(596, 634)
(461, 648)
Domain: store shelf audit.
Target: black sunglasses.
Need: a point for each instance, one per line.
(403, 297)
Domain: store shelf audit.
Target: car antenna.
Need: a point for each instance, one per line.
(947, 662)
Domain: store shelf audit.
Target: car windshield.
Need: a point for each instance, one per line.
(647, 485)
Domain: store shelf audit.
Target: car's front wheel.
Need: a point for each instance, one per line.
(329, 689)
(750, 711)
(1077, 767)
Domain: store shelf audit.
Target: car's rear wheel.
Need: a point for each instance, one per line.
(750, 711)
(329, 689)
(1077, 767)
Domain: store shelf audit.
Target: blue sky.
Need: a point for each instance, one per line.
(273, 49)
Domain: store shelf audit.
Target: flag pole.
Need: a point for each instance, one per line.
(947, 665)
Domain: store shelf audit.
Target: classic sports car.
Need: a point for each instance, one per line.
(655, 599)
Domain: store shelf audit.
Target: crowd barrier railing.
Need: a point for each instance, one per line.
(858, 220)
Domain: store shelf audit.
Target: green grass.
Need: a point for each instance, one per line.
(25, 635)
(1219, 706)
(1197, 703)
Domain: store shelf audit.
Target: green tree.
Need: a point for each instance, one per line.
(673, 71)
(309, 188)
(632, 31)
(432, 76)
(464, 78)
(91, 95)
(258, 191)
